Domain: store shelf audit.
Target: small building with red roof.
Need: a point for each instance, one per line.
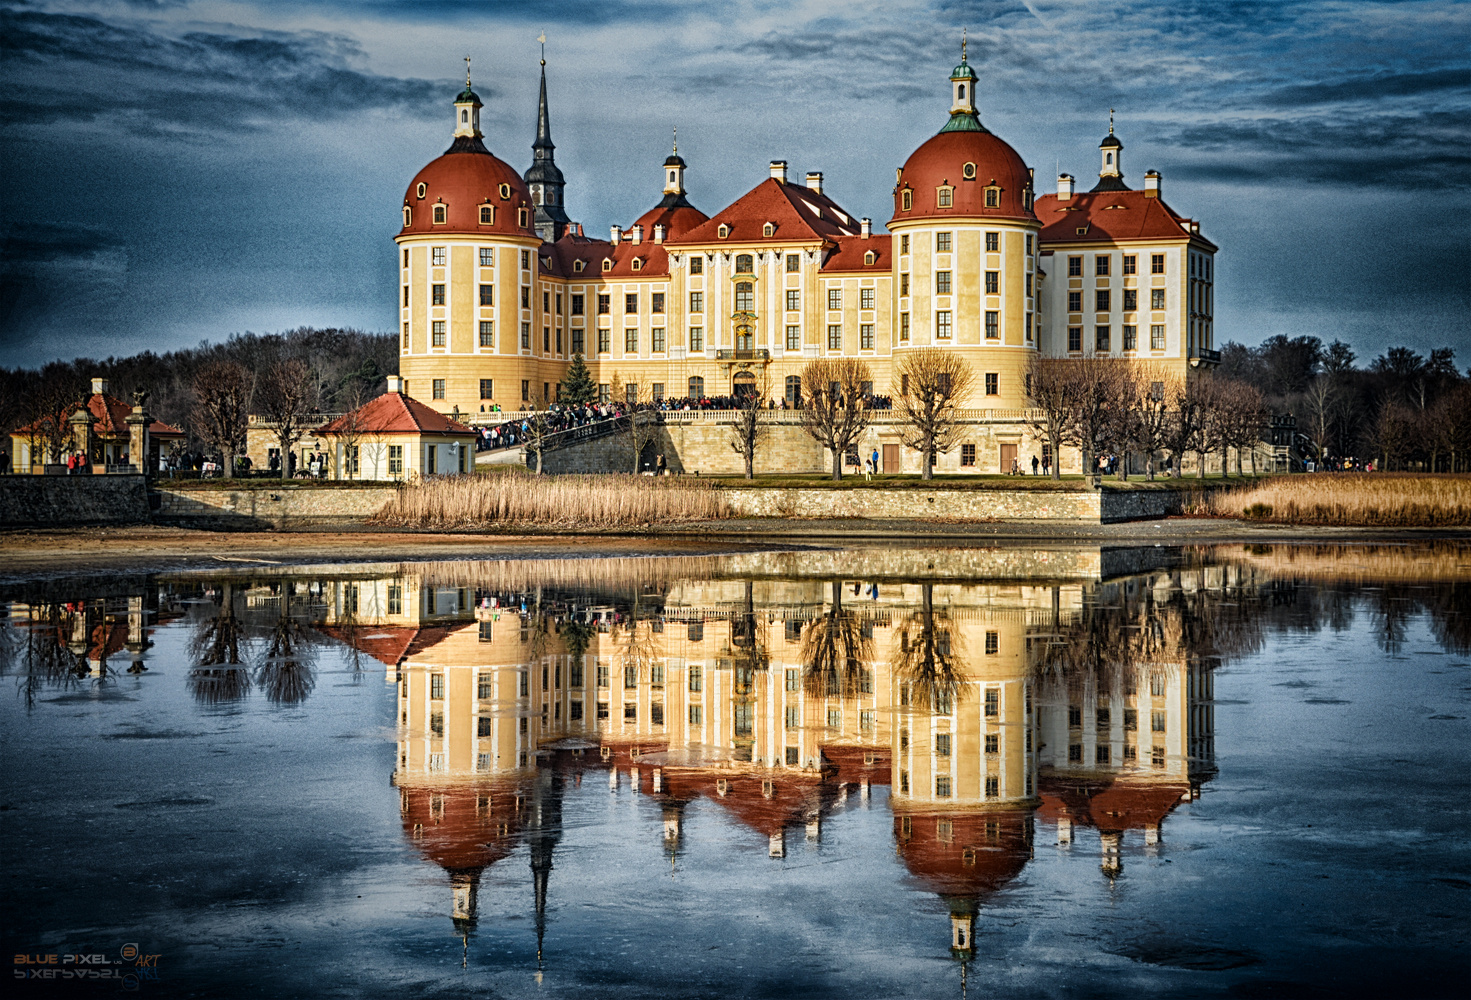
(96, 428)
(396, 437)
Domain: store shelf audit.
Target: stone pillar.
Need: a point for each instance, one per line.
(82, 435)
(138, 422)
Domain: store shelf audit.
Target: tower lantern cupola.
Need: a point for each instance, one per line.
(963, 114)
(1111, 161)
(674, 171)
(467, 109)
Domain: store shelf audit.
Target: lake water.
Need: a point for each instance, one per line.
(919, 772)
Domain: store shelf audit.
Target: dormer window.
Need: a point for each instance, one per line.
(408, 216)
(723, 231)
(944, 196)
(768, 230)
(993, 197)
(441, 214)
(422, 189)
(505, 191)
(870, 257)
(522, 217)
(638, 263)
(745, 263)
(578, 265)
(487, 215)
(968, 171)
(607, 263)
(906, 200)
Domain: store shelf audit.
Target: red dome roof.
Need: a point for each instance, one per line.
(677, 219)
(941, 161)
(463, 179)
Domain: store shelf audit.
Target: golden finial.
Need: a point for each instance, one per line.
(676, 141)
(543, 39)
(963, 41)
(467, 72)
(1110, 121)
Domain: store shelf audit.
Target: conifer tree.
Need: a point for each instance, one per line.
(578, 388)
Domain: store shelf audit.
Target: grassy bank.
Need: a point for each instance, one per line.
(1376, 499)
(603, 501)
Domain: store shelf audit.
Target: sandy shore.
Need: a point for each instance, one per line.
(33, 552)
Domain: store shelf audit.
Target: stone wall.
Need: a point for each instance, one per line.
(257, 509)
(66, 501)
(921, 504)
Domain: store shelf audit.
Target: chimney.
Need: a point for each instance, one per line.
(638, 235)
(865, 228)
(99, 386)
(577, 228)
(779, 171)
(395, 384)
(1064, 187)
(617, 236)
(1151, 183)
(659, 233)
(814, 181)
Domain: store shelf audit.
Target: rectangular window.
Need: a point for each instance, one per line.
(630, 711)
(1100, 265)
(904, 284)
(1131, 720)
(574, 675)
(942, 243)
(1156, 298)
(1101, 300)
(1075, 267)
(993, 703)
(630, 302)
(942, 744)
(437, 256)
(904, 244)
(942, 786)
(1157, 756)
(993, 242)
(695, 676)
(793, 680)
(630, 393)
(1156, 722)
(487, 257)
(835, 337)
(630, 340)
(1131, 264)
(865, 720)
(406, 296)
(1100, 338)
(943, 197)
(438, 386)
(579, 303)
(865, 297)
(487, 333)
(835, 298)
(904, 326)
(993, 282)
(487, 295)
(656, 302)
(993, 383)
(794, 338)
(656, 390)
(993, 743)
(967, 454)
(697, 715)
(697, 302)
(525, 336)
(1075, 338)
(1074, 302)
(579, 341)
(1131, 337)
(993, 643)
(525, 297)
(794, 300)
(942, 325)
(942, 282)
(993, 786)
(794, 263)
(605, 338)
(487, 388)
(697, 264)
(525, 390)
(436, 686)
(602, 676)
(438, 332)
(605, 305)
(630, 676)
(1131, 299)
(525, 259)
(993, 325)
(395, 459)
(1157, 263)
(603, 710)
(656, 713)
(697, 338)
(437, 294)
(793, 717)
(656, 337)
(865, 337)
(1157, 337)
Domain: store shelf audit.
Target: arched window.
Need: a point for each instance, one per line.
(521, 217)
(869, 257)
(745, 298)
(408, 216)
(671, 177)
(441, 213)
(464, 116)
(697, 387)
(638, 263)
(768, 230)
(487, 215)
(745, 264)
(906, 199)
(723, 231)
(1108, 158)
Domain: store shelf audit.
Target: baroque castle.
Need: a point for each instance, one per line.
(499, 289)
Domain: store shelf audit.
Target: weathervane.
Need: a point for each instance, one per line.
(676, 141)
(1110, 121)
(467, 72)
(963, 40)
(543, 39)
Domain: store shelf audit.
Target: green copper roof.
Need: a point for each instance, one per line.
(961, 121)
(467, 96)
(963, 72)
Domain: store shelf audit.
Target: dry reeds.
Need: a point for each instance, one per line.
(604, 501)
(1356, 499)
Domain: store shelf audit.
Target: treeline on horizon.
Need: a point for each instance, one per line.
(346, 366)
(1402, 409)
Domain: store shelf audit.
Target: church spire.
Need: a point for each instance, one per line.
(544, 179)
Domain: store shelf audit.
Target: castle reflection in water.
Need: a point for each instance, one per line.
(1006, 697)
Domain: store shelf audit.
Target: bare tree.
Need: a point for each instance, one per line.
(1321, 398)
(49, 404)
(538, 430)
(283, 397)
(222, 393)
(749, 430)
(351, 397)
(638, 435)
(835, 415)
(930, 381)
(1092, 426)
(1155, 387)
(1186, 432)
(1050, 386)
(1239, 409)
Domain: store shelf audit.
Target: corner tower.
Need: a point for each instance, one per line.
(544, 178)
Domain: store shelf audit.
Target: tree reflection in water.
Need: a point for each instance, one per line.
(928, 657)
(219, 674)
(288, 672)
(836, 649)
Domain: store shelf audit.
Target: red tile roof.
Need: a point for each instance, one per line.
(559, 258)
(395, 413)
(466, 177)
(390, 644)
(1110, 216)
(941, 161)
(110, 415)
(851, 250)
(677, 219)
(798, 212)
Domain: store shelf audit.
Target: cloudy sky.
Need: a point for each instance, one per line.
(179, 170)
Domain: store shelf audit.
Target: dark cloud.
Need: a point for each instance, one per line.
(47, 265)
(1372, 87)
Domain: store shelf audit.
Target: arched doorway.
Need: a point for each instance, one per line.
(744, 385)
